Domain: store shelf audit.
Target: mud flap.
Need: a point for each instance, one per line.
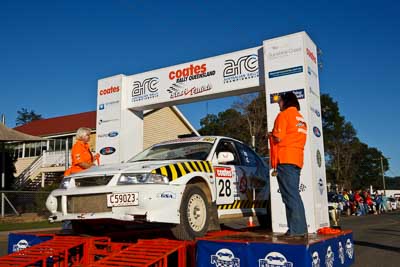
(214, 221)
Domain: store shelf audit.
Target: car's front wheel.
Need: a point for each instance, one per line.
(194, 214)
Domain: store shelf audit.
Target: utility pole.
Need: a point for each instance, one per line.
(383, 177)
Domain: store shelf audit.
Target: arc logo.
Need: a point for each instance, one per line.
(107, 150)
(316, 131)
(245, 67)
(144, 90)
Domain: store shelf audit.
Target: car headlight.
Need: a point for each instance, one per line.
(142, 178)
(51, 203)
(65, 183)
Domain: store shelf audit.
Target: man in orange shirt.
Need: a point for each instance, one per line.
(288, 138)
(82, 157)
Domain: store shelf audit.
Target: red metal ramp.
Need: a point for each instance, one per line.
(59, 251)
(146, 253)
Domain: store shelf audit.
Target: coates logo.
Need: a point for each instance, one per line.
(244, 68)
(146, 89)
(311, 55)
(193, 72)
(107, 150)
(316, 131)
(111, 90)
(225, 258)
(221, 172)
(274, 259)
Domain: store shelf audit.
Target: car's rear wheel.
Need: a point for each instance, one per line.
(194, 214)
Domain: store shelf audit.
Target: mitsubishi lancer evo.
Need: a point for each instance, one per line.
(190, 183)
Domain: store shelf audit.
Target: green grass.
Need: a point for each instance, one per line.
(27, 225)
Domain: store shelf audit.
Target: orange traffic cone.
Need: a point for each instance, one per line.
(250, 222)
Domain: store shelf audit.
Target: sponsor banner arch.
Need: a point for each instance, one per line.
(287, 63)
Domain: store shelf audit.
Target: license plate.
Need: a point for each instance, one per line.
(122, 199)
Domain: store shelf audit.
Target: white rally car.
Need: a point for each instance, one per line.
(189, 182)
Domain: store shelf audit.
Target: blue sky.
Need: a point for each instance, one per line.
(53, 52)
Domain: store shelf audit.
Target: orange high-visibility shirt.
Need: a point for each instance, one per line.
(291, 128)
(80, 153)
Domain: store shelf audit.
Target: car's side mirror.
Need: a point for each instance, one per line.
(224, 157)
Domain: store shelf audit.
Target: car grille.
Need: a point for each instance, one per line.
(87, 203)
(93, 181)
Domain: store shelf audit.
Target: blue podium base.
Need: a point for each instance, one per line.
(262, 249)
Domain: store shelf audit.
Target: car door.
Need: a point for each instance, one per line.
(225, 175)
(253, 178)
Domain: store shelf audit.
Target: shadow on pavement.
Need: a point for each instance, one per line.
(378, 246)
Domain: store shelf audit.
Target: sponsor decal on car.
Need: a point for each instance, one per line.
(178, 90)
(167, 195)
(192, 72)
(224, 258)
(145, 89)
(107, 150)
(316, 131)
(223, 172)
(110, 90)
(274, 259)
(179, 169)
(274, 98)
(244, 204)
(243, 68)
(284, 72)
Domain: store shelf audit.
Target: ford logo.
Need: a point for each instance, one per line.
(107, 150)
(316, 131)
(112, 134)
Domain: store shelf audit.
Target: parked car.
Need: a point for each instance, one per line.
(189, 183)
(393, 203)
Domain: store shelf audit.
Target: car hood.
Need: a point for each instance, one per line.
(129, 167)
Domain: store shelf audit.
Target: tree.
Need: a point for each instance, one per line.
(25, 116)
(228, 123)
(253, 109)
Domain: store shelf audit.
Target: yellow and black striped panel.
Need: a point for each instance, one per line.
(179, 169)
(244, 204)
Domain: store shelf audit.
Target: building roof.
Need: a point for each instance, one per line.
(70, 123)
(59, 125)
(7, 134)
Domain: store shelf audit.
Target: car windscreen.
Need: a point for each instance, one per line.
(175, 151)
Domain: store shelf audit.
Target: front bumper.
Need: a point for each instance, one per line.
(157, 203)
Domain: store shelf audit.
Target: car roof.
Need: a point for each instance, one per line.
(206, 139)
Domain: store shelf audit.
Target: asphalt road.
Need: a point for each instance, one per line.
(376, 238)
